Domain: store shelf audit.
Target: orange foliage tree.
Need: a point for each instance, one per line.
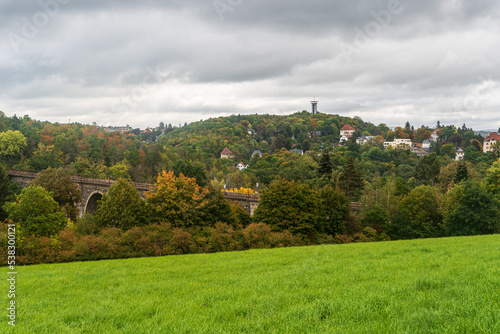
(177, 200)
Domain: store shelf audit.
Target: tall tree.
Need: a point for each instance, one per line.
(64, 191)
(333, 210)
(325, 164)
(291, 206)
(122, 207)
(36, 212)
(351, 180)
(427, 168)
(5, 190)
(176, 200)
(473, 211)
(419, 215)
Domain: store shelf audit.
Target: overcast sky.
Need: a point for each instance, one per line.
(145, 62)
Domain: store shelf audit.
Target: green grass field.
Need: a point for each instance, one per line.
(447, 285)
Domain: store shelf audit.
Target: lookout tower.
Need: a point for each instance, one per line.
(314, 105)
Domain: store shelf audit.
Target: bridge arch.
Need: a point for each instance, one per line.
(92, 202)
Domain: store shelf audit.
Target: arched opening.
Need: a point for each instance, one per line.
(92, 203)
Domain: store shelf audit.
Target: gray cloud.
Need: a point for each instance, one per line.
(150, 61)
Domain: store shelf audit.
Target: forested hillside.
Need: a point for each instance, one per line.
(305, 172)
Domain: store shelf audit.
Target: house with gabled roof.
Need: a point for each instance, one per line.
(226, 154)
(347, 130)
(434, 134)
(241, 166)
(489, 141)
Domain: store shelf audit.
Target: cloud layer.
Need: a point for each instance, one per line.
(141, 63)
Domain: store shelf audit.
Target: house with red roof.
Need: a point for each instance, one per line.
(490, 141)
(434, 135)
(347, 130)
(226, 154)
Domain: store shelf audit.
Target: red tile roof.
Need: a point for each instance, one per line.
(226, 151)
(435, 131)
(494, 136)
(347, 127)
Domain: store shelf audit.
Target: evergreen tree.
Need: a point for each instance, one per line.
(325, 165)
(351, 180)
(333, 211)
(462, 173)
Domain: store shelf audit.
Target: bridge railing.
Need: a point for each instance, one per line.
(79, 179)
(237, 196)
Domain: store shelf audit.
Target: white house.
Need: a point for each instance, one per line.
(490, 141)
(434, 135)
(347, 130)
(398, 143)
(460, 154)
(241, 166)
(365, 139)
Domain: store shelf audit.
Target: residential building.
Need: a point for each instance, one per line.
(120, 129)
(297, 151)
(257, 152)
(434, 135)
(398, 143)
(426, 144)
(489, 141)
(365, 139)
(226, 154)
(347, 130)
(241, 166)
(343, 139)
(460, 154)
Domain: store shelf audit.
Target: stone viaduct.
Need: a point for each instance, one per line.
(93, 189)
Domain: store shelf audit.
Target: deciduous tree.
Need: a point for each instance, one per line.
(122, 207)
(64, 191)
(36, 212)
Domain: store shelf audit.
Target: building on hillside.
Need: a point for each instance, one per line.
(347, 130)
(257, 152)
(120, 129)
(343, 139)
(399, 143)
(434, 135)
(426, 144)
(459, 154)
(489, 141)
(297, 151)
(241, 166)
(365, 139)
(226, 154)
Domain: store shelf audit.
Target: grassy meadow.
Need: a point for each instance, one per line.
(449, 285)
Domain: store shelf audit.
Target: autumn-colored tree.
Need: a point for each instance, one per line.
(36, 212)
(176, 200)
(291, 206)
(12, 143)
(64, 191)
(122, 207)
